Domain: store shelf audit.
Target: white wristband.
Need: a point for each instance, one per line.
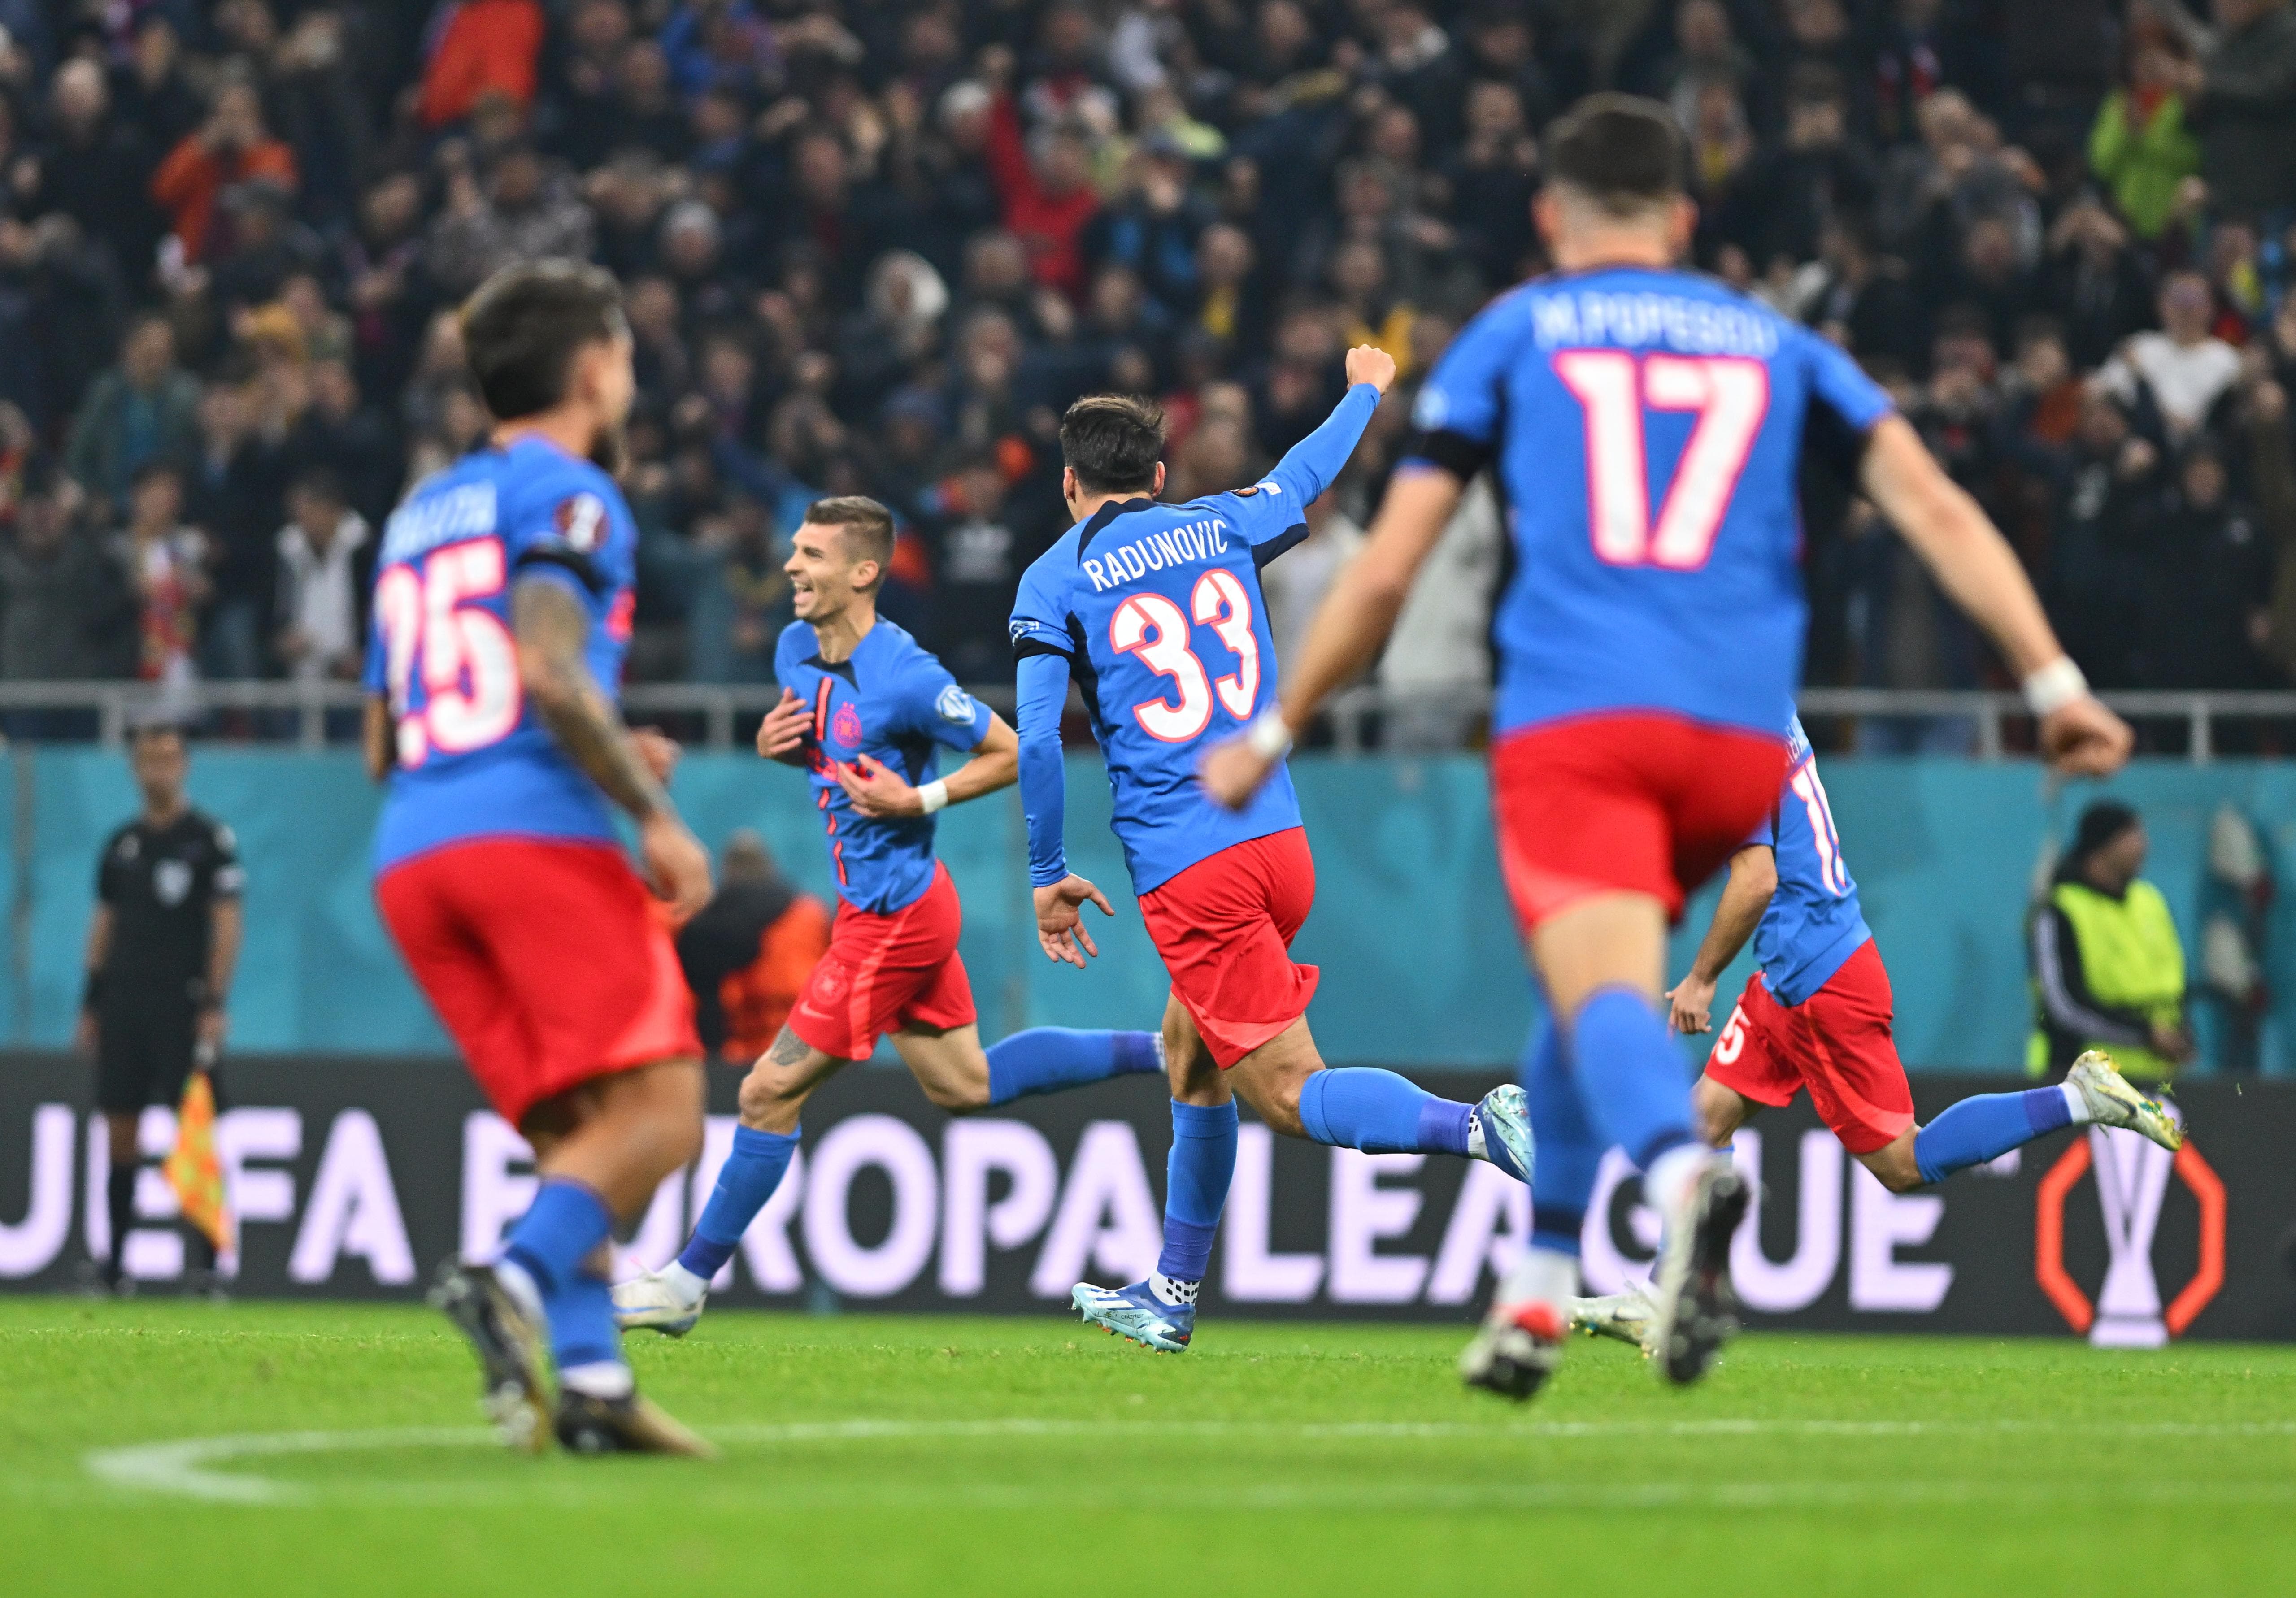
(933, 796)
(2054, 686)
(1268, 737)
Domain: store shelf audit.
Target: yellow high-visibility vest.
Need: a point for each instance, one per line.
(2131, 960)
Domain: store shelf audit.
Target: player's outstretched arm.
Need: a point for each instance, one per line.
(1311, 465)
(1753, 879)
(1350, 628)
(1974, 564)
(876, 789)
(551, 627)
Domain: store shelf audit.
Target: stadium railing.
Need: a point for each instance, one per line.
(1987, 726)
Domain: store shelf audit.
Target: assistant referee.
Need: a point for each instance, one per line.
(161, 953)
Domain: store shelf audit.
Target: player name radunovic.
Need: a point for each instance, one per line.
(421, 525)
(1172, 546)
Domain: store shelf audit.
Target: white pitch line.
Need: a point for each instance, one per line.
(182, 1467)
(189, 1467)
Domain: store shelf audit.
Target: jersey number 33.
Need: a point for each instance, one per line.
(1151, 629)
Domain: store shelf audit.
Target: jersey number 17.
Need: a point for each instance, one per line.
(1730, 395)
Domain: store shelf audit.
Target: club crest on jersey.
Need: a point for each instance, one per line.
(582, 522)
(845, 727)
(956, 706)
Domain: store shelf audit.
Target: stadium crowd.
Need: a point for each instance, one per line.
(876, 246)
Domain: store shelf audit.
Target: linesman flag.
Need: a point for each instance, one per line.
(192, 1169)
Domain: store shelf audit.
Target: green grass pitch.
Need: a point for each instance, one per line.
(174, 1450)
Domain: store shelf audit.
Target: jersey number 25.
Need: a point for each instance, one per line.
(1729, 394)
(468, 660)
(1151, 628)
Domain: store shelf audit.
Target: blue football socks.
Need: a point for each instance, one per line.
(551, 1244)
(747, 1179)
(1048, 1059)
(1988, 1126)
(1357, 1107)
(1195, 1186)
(1570, 1153)
(1631, 1078)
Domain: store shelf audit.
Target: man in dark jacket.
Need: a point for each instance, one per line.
(748, 952)
(2241, 97)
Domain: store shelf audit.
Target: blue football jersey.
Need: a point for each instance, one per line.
(473, 759)
(892, 701)
(1157, 610)
(1648, 429)
(1813, 923)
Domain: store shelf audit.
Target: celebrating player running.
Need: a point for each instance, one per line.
(502, 612)
(1647, 427)
(865, 710)
(1817, 1015)
(1157, 608)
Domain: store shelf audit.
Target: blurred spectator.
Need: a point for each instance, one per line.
(165, 563)
(477, 49)
(2241, 94)
(2184, 367)
(236, 484)
(1294, 585)
(1437, 661)
(749, 951)
(2205, 569)
(1046, 191)
(231, 147)
(2141, 146)
(143, 410)
(96, 168)
(324, 570)
(520, 212)
(59, 600)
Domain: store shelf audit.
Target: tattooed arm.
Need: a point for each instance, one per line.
(552, 627)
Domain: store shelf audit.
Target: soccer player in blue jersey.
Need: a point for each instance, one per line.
(501, 610)
(1155, 611)
(1816, 1015)
(866, 710)
(1647, 428)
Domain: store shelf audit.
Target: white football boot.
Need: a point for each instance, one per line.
(2112, 1103)
(650, 1303)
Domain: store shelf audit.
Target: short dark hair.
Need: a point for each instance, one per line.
(1621, 151)
(868, 525)
(524, 326)
(1112, 443)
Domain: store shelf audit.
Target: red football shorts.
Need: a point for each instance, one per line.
(1836, 1042)
(1225, 928)
(545, 959)
(1639, 801)
(885, 973)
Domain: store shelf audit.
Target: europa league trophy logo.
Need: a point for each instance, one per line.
(2132, 1179)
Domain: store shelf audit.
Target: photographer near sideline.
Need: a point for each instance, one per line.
(161, 953)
